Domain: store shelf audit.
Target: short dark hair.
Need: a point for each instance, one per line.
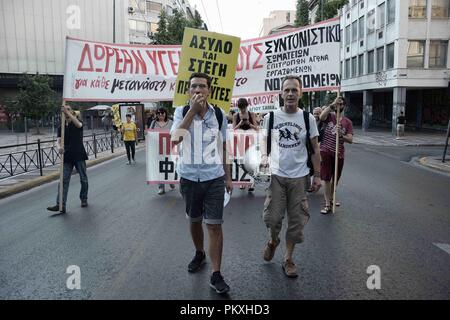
(201, 75)
(128, 115)
(242, 102)
(291, 77)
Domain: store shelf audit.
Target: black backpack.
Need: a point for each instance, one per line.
(217, 111)
(309, 146)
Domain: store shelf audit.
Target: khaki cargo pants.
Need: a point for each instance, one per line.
(286, 194)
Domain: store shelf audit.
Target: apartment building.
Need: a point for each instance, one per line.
(395, 57)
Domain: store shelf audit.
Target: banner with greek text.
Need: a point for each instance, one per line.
(162, 156)
(259, 104)
(214, 54)
(97, 71)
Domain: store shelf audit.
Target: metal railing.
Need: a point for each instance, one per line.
(45, 153)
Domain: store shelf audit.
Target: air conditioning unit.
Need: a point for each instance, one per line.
(130, 9)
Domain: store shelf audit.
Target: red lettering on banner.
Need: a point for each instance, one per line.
(164, 140)
(140, 63)
(260, 55)
(247, 51)
(242, 141)
(160, 54)
(86, 53)
(102, 50)
(245, 55)
(109, 53)
(127, 61)
(118, 61)
(152, 56)
(173, 64)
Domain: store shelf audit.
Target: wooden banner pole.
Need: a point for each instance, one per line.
(61, 167)
(336, 155)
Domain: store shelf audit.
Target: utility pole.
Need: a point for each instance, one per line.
(114, 21)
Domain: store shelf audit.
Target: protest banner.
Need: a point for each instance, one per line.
(111, 72)
(214, 54)
(162, 157)
(260, 104)
(311, 52)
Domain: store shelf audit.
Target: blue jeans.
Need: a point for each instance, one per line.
(67, 172)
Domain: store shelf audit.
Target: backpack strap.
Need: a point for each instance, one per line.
(269, 135)
(217, 111)
(306, 119)
(219, 116)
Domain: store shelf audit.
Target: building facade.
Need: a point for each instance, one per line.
(33, 32)
(143, 17)
(395, 57)
(278, 21)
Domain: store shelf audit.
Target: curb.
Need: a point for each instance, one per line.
(27, 185)
(424, 162)
(402, 145)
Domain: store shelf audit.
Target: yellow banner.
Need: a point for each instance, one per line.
(214, 54)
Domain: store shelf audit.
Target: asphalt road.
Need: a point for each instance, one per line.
(131, 243)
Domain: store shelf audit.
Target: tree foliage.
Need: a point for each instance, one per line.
(301, 14)
(171, 27)
(328, 9)
(35, 99)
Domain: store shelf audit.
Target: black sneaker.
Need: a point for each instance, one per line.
(218, 284)
(56, 208)
(197, 262)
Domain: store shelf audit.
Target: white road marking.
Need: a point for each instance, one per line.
(443, 246)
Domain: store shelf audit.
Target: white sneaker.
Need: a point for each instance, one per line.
(161, 191)
(172, 186)
(128, 163)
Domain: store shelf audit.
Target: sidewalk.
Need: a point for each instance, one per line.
(28, 180)
(383, 137)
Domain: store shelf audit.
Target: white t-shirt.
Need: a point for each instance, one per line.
(289, 156)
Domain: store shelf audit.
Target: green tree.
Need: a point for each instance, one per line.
(161, 36)
(328, 9)
(301, 14)
(171, 28)
(175, 27)
(35, 99)
(197, 22)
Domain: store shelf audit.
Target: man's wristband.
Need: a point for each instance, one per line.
(316, 174)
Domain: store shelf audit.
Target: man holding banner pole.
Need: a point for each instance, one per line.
(73, 155)
(204, 174)
(338, 129)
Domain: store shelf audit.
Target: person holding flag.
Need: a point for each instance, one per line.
(333, 126)
(74, 156)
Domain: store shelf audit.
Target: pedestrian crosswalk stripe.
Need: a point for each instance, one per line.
(443, 246)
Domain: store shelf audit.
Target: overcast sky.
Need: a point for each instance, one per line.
(241, 18)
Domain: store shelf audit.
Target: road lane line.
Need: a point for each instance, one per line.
(443, 246)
